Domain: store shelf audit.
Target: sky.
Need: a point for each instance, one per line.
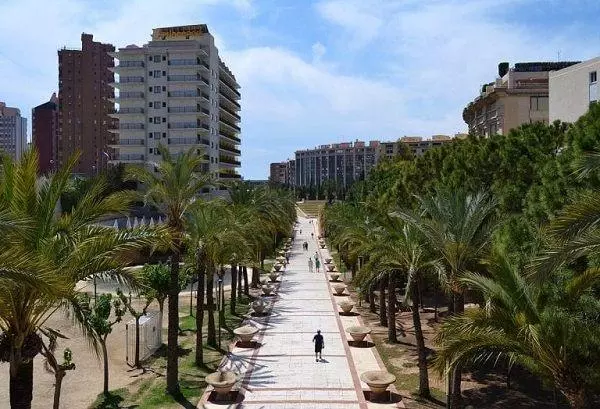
(315, 72)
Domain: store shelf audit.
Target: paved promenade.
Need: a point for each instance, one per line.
(282, 372)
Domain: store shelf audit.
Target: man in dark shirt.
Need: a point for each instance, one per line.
(319, 345)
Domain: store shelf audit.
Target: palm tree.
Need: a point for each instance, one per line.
(173, 188)
(214, 238)
(457, 226)
(56, 249)
(399, 249)
(550, 329)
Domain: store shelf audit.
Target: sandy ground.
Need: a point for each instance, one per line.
(81, 386)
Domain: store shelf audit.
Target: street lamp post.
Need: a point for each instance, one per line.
(220, 303)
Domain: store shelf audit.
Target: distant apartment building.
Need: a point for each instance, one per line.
(415, 145)
(176, 91)
(343, 163)
(278, 173)
(84, 105)
(283, 173)
(518, 96)
(13, 131)
(573, 89)
(44, 133)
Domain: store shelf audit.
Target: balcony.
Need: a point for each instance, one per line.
(136, 80)
(230, 112)
(131, 142)
(231, 102)
(184, 94)
(229, 88)
(230, 137)
(229, 161)
(185, 78)
(132, 157)
(185, 110)
(229, 148)
(188, 125)
(129, 110)
(227, 175)
(182, 141)
(130, 64)
(131, 126)
(184, 62)
(130, 95)
(234, 127)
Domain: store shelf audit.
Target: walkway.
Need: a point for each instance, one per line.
(282, 373)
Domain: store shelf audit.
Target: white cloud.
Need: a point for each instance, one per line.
(318, 51)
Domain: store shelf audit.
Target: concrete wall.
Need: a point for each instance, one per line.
(571, 91)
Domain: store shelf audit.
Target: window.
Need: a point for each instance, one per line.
(149, 58)
(156, 73)
(539, 103)
(157, 90)
(156, 135)
(164, 73)
(164, 134)
(164, 120)
(150, 89)
(593, 77)
(150, 104)
(164, 58)
(157, 119)
(150, 73)
(156, 58)
(156, 104)
(164, 104)
(150, 120)
(164, 88)
(150, 135)
(150, 150)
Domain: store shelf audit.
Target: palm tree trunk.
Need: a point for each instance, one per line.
(173, 329)
(200, 313)
(137, 341)
(392, 336)
(58, 378)
(456, 397)
(435, 301)
(234, 279)
(577, 396)
(422, 355)
(382, 309)
(372, 298)
(105, 359)
(245, 275)
(211, 333)
(21, 383)
(240, 286)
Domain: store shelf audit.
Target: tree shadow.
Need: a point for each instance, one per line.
(113, 401)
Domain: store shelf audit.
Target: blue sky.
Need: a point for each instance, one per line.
(315, 72)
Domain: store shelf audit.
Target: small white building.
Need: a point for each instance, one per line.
(573, 89)
(13, 131)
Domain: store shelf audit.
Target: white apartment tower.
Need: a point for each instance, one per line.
(13, 132)
(176, 91)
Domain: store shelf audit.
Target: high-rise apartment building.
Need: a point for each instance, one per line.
(518, 96)
(343, 163)
(13, 131)
(84, 105)
(176, 91)
(573, 89)
(278, 172)
(44, 133)
(412, 145)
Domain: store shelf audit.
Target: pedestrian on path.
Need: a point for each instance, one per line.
(319, 345)
(310, 265)
(312, 235)
(317, 265)
(287, 257)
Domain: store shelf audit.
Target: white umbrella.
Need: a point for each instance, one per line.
(151, 224)
(116, 225)
(136, 223)
(143, 222)
(128, 224)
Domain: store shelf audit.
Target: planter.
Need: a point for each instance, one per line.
(221, 381)
(346, 306)
(245, 333)
(358, 332)
(259, 307)
(277, 267)
(331, 267)
(339, 289)
(267, 289)
(378, 381)
(334, 276)
(273, 277)
(328, 260)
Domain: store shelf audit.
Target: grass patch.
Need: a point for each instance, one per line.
(148, 392)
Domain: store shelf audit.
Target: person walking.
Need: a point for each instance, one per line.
(310, 265)
(319, 345)
(317, 264)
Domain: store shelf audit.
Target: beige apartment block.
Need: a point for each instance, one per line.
(573, 89)
(518, 96)
(176, 91)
